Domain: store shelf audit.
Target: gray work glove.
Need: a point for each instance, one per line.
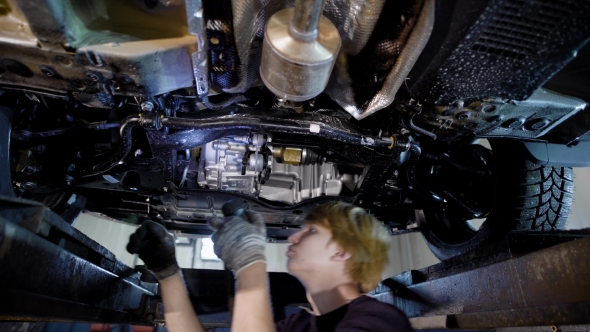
(239, 243)
(155, 246)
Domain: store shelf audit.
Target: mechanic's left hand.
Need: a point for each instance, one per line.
(238, 242)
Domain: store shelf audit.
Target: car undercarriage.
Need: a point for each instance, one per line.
(168, 109)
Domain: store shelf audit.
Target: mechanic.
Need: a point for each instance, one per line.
(338, 256)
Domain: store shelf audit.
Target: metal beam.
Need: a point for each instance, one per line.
(512, 288)
(44, 281)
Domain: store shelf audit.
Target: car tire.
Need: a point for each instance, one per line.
(528, 197)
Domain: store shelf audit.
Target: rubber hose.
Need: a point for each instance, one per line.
(420, 130)
(124, 148)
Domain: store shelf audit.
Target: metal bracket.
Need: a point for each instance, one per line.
(196, 26)
(558, 155)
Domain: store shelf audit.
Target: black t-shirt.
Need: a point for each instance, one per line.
(361, 314)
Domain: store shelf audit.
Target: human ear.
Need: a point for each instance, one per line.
(341, 255)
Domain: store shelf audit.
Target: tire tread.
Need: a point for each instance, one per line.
(552, 188)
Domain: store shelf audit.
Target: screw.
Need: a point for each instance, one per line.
(150, 317)
(165, 189)
(395, 174)
(48, 71)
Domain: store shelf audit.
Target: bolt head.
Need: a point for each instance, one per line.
(147, 106)
(462, 115)
(92, 77)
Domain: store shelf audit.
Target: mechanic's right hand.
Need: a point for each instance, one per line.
(155, 246)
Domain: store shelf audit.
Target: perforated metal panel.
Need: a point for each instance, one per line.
(503, 48)
(515, 33)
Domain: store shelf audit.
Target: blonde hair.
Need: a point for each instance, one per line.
(358, 233)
